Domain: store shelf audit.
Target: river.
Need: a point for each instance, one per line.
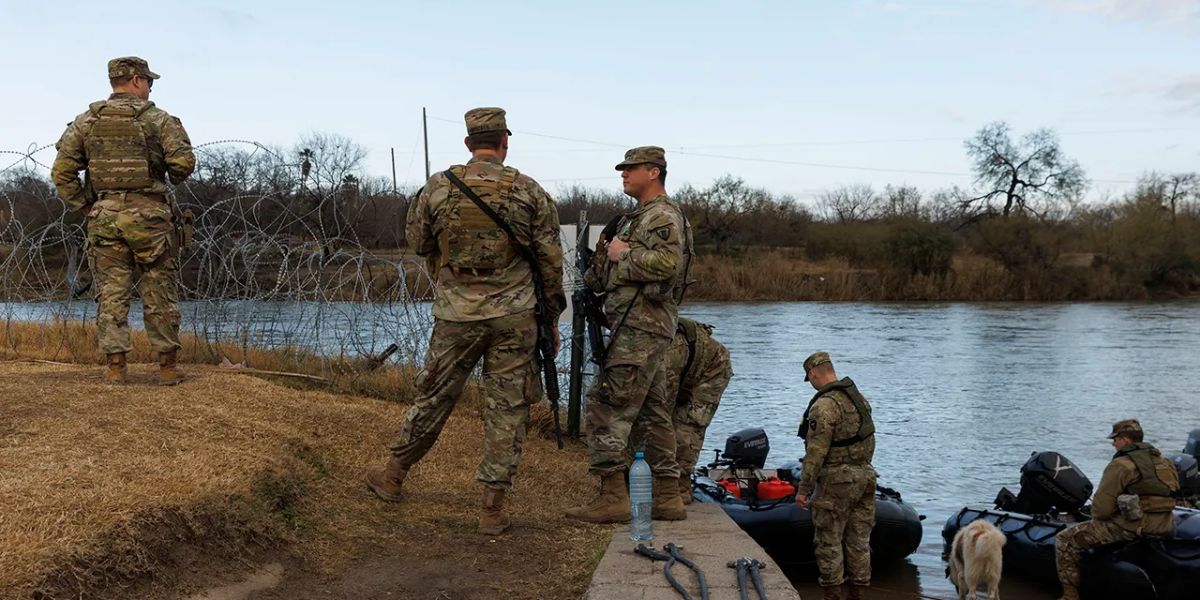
(963, 394)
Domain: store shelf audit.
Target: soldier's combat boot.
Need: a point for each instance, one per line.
(386, 481)
(668, 505)
(831, 592)
(168, 372)
(1070, 592)
(493, 521)
(685, 488)
(116, 368)
(611, 506)
(855, 592)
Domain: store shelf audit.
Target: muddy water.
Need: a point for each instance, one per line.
(963, 393)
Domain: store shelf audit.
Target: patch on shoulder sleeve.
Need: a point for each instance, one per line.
(664, 233)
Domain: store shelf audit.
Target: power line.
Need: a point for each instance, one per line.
(683, 150)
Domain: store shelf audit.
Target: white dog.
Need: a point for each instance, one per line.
(976, 559)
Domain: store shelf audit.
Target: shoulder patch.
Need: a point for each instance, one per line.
(664, 233)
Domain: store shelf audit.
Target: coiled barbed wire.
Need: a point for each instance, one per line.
(289, 251)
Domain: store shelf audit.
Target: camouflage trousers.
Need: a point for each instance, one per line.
(843, 514)
(137, 232)
(1070, 544)
(631, 394)
(693, 413)
(510, 382)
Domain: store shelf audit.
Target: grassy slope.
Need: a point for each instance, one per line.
(104, 485)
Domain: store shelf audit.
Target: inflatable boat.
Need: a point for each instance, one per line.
(762, 502)
(1052, 497)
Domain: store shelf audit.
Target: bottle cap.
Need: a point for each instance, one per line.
(639, 454)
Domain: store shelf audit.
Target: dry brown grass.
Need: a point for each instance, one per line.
(75, 342)
(777, 275)
(102, 485)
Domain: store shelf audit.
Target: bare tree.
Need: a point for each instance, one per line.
(1034, 169)
(848, 203)
(900, 201)
(1178, 187)
(326, 159)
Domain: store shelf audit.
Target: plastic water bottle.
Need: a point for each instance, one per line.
(641, 499)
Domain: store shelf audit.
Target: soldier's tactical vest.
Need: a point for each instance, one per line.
(117, 150)
(471, 239)
(866, 426)
(1154, 493)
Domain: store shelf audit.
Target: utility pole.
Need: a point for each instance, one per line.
(425, 132)
(394, 188)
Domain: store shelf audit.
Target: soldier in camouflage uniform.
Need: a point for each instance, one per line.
(698, 370)
(643, 271)
(1139, 479)
(128, 149)
(484, 308)
(839, 442)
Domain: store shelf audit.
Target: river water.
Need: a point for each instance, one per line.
(962, 394)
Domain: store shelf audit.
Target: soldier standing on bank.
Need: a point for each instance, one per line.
(698, 371)
(839, 443)
(643, 270)
(128, 149)
(483, 308)
(1135, 499)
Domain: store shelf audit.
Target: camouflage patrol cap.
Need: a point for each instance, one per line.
(644, 155)
(814, 359)
(128, 66)
(1125, 427)
(485, 119)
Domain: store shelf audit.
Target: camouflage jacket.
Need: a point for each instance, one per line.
(645, 286)
(169, 150)
(709, 362)
(1122, 473)
(472, 295)
(832, 416)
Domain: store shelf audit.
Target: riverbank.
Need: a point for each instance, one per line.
(783, 275)
(149, 492)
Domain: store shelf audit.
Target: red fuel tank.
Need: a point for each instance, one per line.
(774, 489)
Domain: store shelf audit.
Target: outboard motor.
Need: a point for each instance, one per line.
(747, 448)
(1192, 448)
(1189, 475)
(1050, 482)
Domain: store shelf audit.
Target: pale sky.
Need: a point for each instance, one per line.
(793, 96)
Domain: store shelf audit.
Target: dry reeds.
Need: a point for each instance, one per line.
(780, 275)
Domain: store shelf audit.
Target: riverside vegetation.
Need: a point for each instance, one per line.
(1021, 232)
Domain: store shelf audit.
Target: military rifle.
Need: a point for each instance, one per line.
(546, 353)
(590, 303)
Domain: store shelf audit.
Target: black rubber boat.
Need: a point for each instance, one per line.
(762, 502)
(1052, 497)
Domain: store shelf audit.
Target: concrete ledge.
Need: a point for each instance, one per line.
(708, 538)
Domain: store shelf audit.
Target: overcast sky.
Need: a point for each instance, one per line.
(793, 96)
